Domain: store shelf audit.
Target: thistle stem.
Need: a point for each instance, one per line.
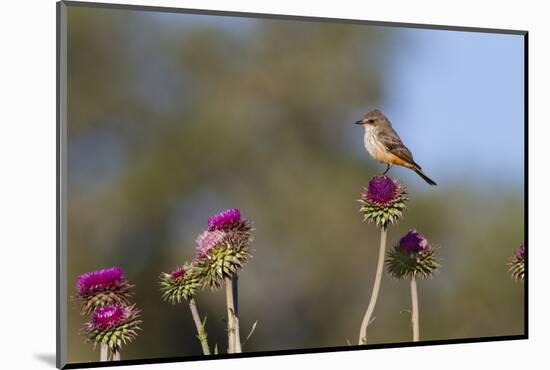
(235, 286)
(375, 288)
(201, 333)
(116, 355)
(230, 315)
(103, 352)
(414, 299)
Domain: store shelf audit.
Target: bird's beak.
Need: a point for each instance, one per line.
(360, 122)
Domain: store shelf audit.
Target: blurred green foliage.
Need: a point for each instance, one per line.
(174, 117)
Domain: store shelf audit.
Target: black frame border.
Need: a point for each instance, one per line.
(61, 170)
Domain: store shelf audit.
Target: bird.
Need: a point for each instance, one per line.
(384, 144)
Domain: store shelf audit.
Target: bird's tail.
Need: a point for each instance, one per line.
(423, 175)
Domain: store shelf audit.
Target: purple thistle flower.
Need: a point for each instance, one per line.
(381, 189)
(180, 271)
(383, 201)
(521, 251)
(98, 280)
(412, 257)
(208, 240)
(413, 242)
(108, 316)
(224, 219)
(113, 326)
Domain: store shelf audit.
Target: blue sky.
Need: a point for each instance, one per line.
(465, 91)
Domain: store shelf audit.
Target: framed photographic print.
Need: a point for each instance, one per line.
(235, 184)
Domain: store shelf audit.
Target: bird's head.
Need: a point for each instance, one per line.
(372, 118)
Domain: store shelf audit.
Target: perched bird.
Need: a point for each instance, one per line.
(384, 145)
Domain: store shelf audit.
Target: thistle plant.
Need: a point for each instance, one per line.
(218, 258)
(382, 202)
(112, 326)
(222, 250)
(181, 285)
(517, 264)
(412, 257)
(100, 288)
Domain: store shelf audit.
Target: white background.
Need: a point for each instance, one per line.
(27, 206)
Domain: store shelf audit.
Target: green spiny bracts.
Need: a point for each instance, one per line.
(411, 257)
(517, 268)
(179, 285)
(97, 289)
(113, 326)
(119, 293)
(402, 264)
(221, 262)
(383, 201)
(241, 234)
(517, 264)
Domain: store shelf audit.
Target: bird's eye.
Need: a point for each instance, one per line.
(370, 121)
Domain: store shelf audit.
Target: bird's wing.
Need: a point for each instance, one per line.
(393, 143)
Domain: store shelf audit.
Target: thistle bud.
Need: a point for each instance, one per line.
(180, 284)
(101, 288)
(224, 248)
(413, 256)
(383, 201)
(113, 326)
(517, 263)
